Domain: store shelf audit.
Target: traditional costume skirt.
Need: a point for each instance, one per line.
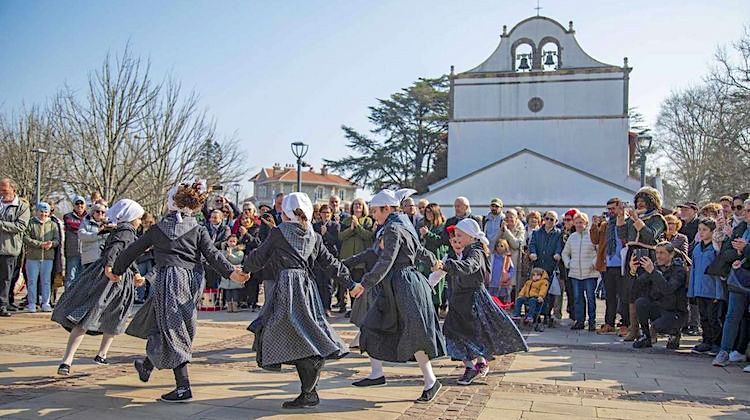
(402, 319)
(476, 326)
(294, 325)
(169, 318)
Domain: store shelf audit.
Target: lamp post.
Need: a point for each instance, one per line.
(299, 150)
(643, 144)
(236, 187)
(39, 153)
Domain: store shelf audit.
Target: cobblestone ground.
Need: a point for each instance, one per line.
(565, 375)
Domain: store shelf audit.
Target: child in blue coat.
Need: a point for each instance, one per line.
(707, 290)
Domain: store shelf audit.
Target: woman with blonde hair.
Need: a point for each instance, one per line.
(579, 256)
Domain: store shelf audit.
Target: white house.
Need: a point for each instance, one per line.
(540, 124)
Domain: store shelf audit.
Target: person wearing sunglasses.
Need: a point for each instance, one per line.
(93, 234)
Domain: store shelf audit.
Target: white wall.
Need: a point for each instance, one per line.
(596, 146)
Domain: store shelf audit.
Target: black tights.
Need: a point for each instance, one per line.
(308, 370)
(181, 376)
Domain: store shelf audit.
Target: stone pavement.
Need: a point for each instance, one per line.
(565, 375)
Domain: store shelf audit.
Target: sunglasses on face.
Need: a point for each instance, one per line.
(100, 211)
(550, 219)
(80, 204)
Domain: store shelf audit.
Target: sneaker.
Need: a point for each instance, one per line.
(721, 359)
(642, 342)
(673, 342)
(592, 326)
(4, 313)
(746, 369)
(701, 348)
(46, 308)
(605, 329)
(714, 350)
(99, 360)
(143, 373)
(348, 314)
(31, 309)
(63, 369)
(693, 331)
(737, 357)
(483, 369)
(468, 377)
(305, 399)
(13, 308)
(179, 395)
(367, 382)
(577, 326)
(429, 394)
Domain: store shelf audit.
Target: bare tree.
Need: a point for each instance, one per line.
(20, 134)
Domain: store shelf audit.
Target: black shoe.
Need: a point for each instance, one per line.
(430, 394)
(179, 395)
(138, 302)
(143, 373)
(468, 377)
(100, 360)
(63, 369)
(370, 382)
(642, 342)
(342, 309)
(673, 343)
(348, 314)
(592, 326)
(13, 308)
(692, 331)
(702, 348)
(4, 313)
(305, 399)
(272, 368)
(577, 326)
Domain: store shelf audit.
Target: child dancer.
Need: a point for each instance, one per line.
(169, 318)
(99, 303)
(475, 328)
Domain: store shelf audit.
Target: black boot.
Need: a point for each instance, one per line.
(305, 399)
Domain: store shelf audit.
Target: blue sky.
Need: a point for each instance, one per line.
(280, 71)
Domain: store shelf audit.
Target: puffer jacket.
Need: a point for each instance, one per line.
(533, 288)
(91, 241)
(579, 256)
(14, 219)
(39, 232)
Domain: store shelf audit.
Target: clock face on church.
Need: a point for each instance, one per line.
(536, 104)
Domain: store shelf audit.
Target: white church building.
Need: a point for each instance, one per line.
(540, 124)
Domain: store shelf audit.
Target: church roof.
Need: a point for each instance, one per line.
(539, 32)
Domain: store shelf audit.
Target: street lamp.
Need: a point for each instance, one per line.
(236, 187)
(299, 150)
(39, 153)
(643, 143)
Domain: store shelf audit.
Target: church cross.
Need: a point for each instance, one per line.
(538, 8)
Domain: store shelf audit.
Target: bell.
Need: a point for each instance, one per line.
(549, 61)
(524, 64)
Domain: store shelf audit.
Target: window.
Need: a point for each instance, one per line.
(262, 191)
(342, 195)
(523, 57)
(550, 55)
(318, 194)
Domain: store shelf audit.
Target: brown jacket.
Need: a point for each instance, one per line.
(599, 239)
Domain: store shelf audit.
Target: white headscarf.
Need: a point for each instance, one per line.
(471, 228)
(125, 210)
(171, 206)
(390, 197)
(294, 201)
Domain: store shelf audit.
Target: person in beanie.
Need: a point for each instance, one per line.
(41, 240)
(476, 329)
(100, 303)
(641, 228)
(401, 325)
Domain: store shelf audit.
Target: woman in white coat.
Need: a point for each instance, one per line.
(579, 256)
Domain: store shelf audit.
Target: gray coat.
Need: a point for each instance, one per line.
(91, 241)
(14, 219)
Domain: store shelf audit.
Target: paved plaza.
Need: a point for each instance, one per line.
(566, 375)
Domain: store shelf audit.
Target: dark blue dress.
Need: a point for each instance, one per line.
(475, 325)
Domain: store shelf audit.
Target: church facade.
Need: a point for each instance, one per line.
(540, 124)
